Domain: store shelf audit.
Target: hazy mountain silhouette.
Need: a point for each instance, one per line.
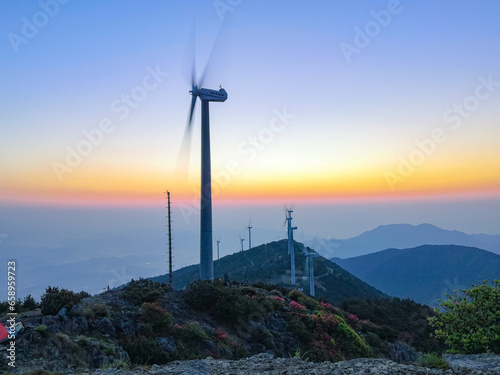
(401, 236)
(270, 263)
(425, 273)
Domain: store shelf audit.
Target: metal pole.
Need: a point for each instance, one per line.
(169, 242)
(206, 244)
(291, 249)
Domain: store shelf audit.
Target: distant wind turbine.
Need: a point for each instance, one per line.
(291, 249)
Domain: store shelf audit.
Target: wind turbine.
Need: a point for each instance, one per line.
(206, 96)
(249, 236)
(291, 249)
(310, 256)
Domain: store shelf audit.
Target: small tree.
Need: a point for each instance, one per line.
(55, 299)
(29, 303)
(469, 321)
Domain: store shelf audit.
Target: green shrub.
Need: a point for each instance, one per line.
(353, 344)
(42, 330)
(272, 288)
(96, 310)
(83, 341)
(432, 360)
(54, 299)
(65, 343)
(325, 336)
(225, 303)
(144, 351)
(144, 290)
(395, 319)
(469, 321)
(119, 363)
(29, 303)
(155, 315)
(304, 300)
(4, 307)
(190, 333)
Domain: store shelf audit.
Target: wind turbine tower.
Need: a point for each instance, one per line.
(310, 257)
(206, 96)
(242, 239)
(249, 237)
(291, 249)
(218, 243)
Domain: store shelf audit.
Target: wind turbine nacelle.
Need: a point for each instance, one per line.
(213, 95)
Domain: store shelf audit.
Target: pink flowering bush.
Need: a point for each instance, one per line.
(221, 334)
(295, 306)
(327, 337)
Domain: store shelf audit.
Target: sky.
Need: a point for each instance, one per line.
(355, 113)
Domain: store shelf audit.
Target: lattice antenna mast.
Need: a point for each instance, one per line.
(169, 226)
(291, 249)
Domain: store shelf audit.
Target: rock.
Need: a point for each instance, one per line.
(80, 322)
(76, 310)
(400, 352)
(479, 362)
(62, 314)
(106, 327)
(126, 327)
(166, 344)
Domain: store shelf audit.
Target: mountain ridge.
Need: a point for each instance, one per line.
(270, 264)
(401, 236)
(424, 273)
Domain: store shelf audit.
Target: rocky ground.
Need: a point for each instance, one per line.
(266, 364)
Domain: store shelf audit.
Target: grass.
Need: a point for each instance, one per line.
(432, 360)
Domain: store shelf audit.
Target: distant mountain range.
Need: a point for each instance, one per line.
(401, 236)
(270, 263)
(425, 273)
(111, 258)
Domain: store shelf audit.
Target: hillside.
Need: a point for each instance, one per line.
(425, 273)
(401, 236)
(270, 263)
(148, 324)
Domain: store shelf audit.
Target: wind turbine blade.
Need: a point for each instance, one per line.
(191, 112)
(182, 165)
(219, 49)
(188, 69)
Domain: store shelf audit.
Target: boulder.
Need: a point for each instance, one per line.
(106, 327)
(400, 352)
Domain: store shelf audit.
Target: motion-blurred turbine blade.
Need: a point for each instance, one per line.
(218, 52)
(188, 67)
(191, 112)
(182, 165)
